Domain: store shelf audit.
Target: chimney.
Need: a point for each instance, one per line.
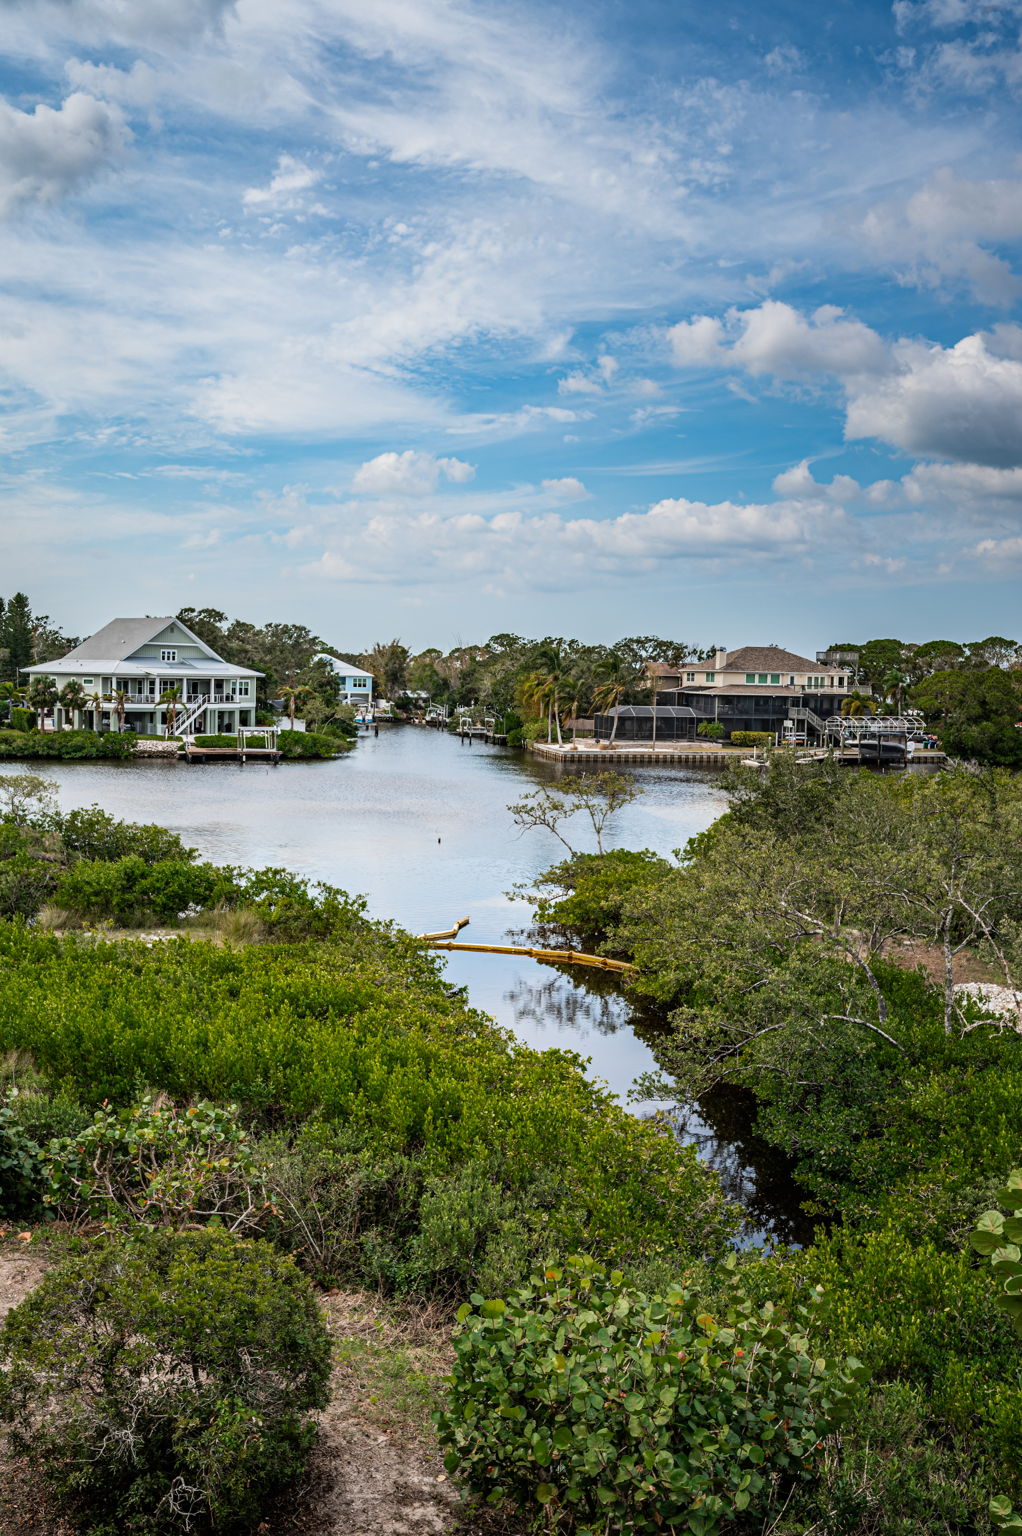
(720, 658)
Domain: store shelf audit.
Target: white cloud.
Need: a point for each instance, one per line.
(775, 338)
(956, 403)
(49, 153)
(798, 484)
(566, 489)
(936, 234)
(578, 383)
(963, 402)
(290, 177)
(785, 59)
(408, 474)
(527, 544)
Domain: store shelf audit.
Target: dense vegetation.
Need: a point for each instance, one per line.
(772, 947)
(67, 745)
(144, 1417)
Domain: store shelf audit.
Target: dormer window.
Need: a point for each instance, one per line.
(168, 655)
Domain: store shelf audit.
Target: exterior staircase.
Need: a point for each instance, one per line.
(808, 717)
(196, 707)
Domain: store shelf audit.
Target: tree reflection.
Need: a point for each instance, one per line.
(566, 1000)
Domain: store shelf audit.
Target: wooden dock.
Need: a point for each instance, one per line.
(686, 752)
(237, 754)
(268, 750)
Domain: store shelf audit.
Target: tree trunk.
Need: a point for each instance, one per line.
(949, 975)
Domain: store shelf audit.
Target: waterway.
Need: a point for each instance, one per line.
(417, 822)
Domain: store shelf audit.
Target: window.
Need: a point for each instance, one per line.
(710, 677)
(88, 682)
(166, 655)
(762, 677)
(690, 677)
(750, 677)
(243, 686)
(775, 677)
(360, 682)
(841, 682)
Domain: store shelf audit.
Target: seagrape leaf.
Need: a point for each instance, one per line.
(987, 1235)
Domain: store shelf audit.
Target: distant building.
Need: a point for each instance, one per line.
(755, 688)
(354, 684)
(131, 663)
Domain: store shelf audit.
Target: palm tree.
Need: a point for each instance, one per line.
(615, 682)
(893, 687)
(170, 698)
(95, 701)
(292, 692)
(572, 694)
(119, 698)
(551, 676)
(43, 696)
(72, 700)
(855, 706)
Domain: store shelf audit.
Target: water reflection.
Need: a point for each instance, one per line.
(566, 1001)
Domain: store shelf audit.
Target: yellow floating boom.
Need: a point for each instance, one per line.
(551, 956)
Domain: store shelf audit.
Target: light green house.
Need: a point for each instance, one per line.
(126, 667)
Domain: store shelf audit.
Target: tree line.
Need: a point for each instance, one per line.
(971, 692)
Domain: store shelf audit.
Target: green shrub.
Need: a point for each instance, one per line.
(166, 1385)
(22, 719)
(597, 886)
(131, 892)
(594, 1407)
(216, 741)
(998, 1238)
(712, 730)
(21, 1167)
(752, 738)
(91, 833)
(160, 1166)
(26, 882)
(300, 745)
(361, 1034)
(921, 1317)
(66, 744)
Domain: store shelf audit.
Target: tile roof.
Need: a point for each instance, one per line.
(767, 658)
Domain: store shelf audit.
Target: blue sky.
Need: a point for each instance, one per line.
(435, 319)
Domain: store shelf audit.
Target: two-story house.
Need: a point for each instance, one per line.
(126, 667)
(755, 688)
(354, 684)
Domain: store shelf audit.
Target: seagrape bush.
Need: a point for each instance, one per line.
(596, 1408)
(359, 1035)
(998, 1237)
(167, 1384)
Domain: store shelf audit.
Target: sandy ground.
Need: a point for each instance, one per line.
(376, 1470)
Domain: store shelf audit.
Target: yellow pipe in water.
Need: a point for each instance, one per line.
(552, 956)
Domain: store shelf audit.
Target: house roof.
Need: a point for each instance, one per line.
(767, 658)
(106, 650)
(116, 640)
(342, 668)
(645, 711)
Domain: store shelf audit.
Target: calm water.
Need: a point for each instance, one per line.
(417, 822)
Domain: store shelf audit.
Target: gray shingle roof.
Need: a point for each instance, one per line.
(117, 639)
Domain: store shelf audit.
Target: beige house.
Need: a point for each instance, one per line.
(754, 666)
(126, 667)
